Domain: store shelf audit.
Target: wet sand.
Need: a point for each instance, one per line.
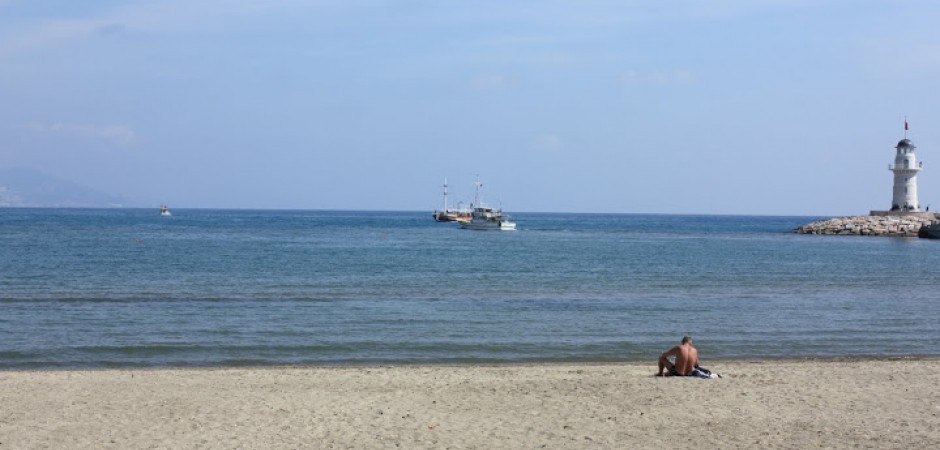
(890, 403)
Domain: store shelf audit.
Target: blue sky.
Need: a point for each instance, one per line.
(715, 107)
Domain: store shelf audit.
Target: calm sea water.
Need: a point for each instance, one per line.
(127, 288)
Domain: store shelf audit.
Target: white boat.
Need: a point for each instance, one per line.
(164, 210)
(483, 217)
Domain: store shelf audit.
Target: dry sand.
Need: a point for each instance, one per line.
(769, 404)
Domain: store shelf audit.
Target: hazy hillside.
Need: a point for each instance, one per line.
(20, 187)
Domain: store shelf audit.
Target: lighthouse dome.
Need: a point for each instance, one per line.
(905, 143)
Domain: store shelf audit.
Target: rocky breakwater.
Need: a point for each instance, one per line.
(900, 226)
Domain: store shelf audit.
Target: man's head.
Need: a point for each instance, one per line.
(687, 339)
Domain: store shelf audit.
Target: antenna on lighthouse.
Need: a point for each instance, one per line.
(905, 127)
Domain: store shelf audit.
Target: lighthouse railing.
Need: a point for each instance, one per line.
(918, 166)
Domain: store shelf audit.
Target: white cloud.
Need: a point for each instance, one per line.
(48, 33)
(170, 16)
(549, 143)
(155, 17)
(114, 134)
(898, 58)
(489, 82)
(658, 78)
(737, 8)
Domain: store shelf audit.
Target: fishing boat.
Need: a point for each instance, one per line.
(164, 210)
(483, 217)
(931, 230)
(451, 215)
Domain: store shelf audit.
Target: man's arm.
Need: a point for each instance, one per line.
(671, 352)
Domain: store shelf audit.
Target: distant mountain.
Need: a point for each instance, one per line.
(21, 187)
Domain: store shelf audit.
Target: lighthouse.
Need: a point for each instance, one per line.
(904, 201)
(905, 170)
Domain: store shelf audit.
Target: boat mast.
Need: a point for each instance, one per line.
(476, 196)
(445, 194)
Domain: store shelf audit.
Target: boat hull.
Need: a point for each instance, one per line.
(503, 225)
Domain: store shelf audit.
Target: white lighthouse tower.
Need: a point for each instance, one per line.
(905, 170)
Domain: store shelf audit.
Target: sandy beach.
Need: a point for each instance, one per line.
(757, 404)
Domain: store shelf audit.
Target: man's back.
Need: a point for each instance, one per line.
(686, 358)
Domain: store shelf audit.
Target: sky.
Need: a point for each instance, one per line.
(765, 107)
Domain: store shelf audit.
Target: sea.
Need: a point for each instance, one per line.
(127, 288)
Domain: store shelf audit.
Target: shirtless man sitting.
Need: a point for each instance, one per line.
(686, 359)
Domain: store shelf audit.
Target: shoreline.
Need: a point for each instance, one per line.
(625, 362)
(890, 402)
